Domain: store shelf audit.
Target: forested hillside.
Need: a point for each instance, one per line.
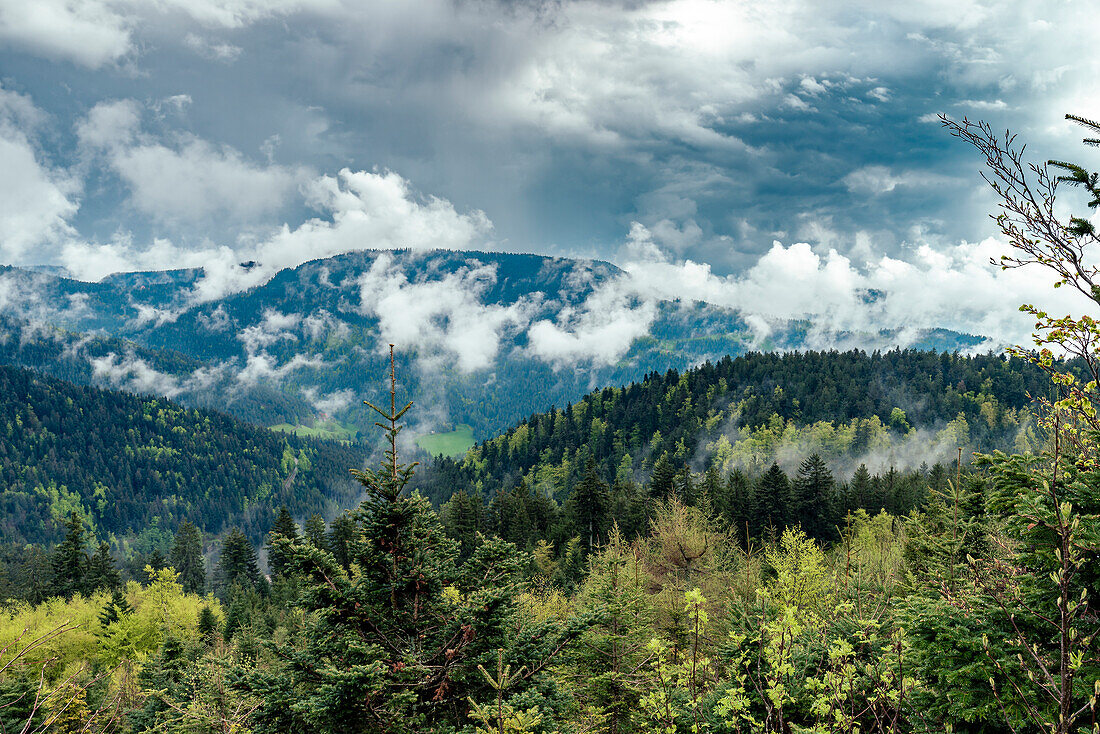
(484, 338)
(895, 409)
(133, 466)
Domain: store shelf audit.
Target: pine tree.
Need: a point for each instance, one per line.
(102, 572)
(604, 665)
(69, 562)
(772, 491)
(186, 558)
(115, 608)
(662, 481)
(208, 622)
(588, 506)
(237, 563)
(462, 518)
(812, 499)
(284, 527)
(859, 489)
(341, 537)
(314, 531)
(394, 647)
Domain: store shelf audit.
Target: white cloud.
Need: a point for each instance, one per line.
(955, 288)
(600, 331)
(330, 403)
(132, 373)
(187, 180)
(209, 49)
(367, 210)
(91, 33)
(880, 180)
(444, 317)
(95, 33)
(36, 200)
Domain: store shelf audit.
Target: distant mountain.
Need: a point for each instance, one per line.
(135, 466)
(483, 339)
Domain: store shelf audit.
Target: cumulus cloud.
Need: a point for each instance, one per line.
(599, 331)
(95, 33)
(36, 200)
(445, 316)
(188, 179)
(331, 403)
(129, 372)
(955, 288)
(363, 210)
(876, 180)
(91, 33)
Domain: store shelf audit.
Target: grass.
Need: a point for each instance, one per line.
(452, 443)
(326, 429)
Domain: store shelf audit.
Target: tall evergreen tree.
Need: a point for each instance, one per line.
(284, 527)
(186, 558)
(588, 506)
(462, 517)
(237, 563)
(69, 562)
(772, 491)
(102, 572)
(314, 531)
(859, 489)
(395, 646)
(341, 537)
(813, 499)
(662, 480)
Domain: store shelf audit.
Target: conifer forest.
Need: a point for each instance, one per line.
(426, 484)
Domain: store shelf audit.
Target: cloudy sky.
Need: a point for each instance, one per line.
(683, 139)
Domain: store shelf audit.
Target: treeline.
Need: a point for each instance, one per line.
(750, 507)
(841, 405)
(130, 465)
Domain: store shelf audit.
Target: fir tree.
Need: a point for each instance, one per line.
(462, 518)
(341, 537)
(115, 608)
(771, 495)
(314, 531)
(69, 562)
(812, 499)
(186, 558)
(284, 527)
(102, 572)
(237, 563)
(662, 480)
(588, 506)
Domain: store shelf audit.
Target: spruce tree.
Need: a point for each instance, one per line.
(588, 506)
(284, 527)
(395, 645)
(69, 562)
(115, 608)
(462, 519)
(812, 499)
(315, 531)
(859, 489)
(772, 492)
(237, 563)
(102, 572)
(662, 480)
(186, 558)
(341, 537)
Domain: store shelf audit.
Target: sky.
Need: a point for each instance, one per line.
(782, 156)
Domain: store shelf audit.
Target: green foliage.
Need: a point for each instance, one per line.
(120, 462)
